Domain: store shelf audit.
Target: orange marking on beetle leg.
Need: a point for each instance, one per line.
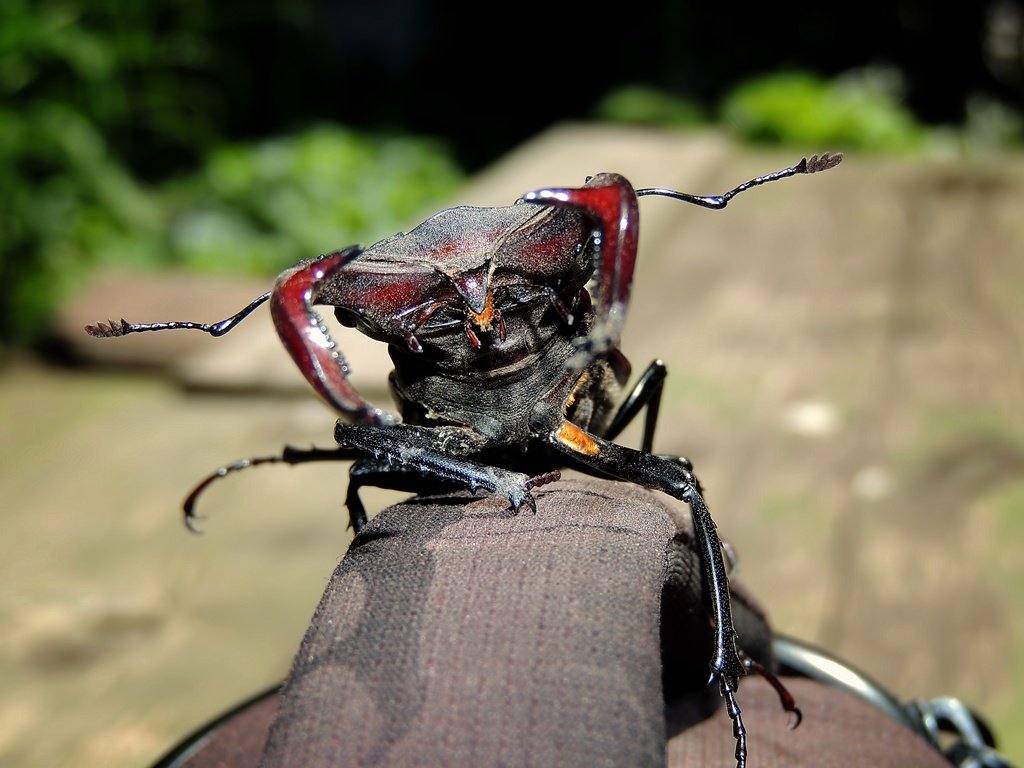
(574, 437)
(575, 388)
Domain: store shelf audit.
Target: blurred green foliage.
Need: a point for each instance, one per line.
(858, 111)
(861, 110)
(260, 207)
(63, 87)
(644, 105)
(136, 133)
(112, 152)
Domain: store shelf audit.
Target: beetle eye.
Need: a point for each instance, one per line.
(346, 317)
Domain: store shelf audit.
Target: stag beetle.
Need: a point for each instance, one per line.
(503, 325)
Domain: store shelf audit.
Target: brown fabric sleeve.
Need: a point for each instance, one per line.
(838, 731)
(454, 633)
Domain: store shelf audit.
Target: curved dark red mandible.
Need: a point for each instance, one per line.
(611, 201)
(305, 337)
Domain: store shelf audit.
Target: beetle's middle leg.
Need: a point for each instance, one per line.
(645, 394)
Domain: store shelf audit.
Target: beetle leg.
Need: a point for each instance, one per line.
(671, 476)
(289, 455)
(646, 393)
(438, 454)
(362, 473)
(379, 474)
(786, 699)
(612, 204)
(305, 337)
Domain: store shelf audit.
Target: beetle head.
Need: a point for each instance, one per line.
(464, 271)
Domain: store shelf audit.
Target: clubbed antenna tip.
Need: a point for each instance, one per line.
(822, 162)
(108, 329)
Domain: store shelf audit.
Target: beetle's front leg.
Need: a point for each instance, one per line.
(440, 453)
(378, 473)
(305, 336)
(672, 476)
(289, 455)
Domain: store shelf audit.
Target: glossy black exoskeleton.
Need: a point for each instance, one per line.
(503, 325)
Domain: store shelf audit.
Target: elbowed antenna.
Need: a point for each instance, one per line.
(814, 164)
(123, 328)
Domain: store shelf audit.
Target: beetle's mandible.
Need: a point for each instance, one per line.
(503, 325)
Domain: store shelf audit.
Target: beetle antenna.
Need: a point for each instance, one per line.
(112, 328)
(813, 164)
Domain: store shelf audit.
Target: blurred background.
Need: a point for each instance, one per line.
(845, 350)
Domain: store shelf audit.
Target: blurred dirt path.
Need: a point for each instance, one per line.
(845, 371)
